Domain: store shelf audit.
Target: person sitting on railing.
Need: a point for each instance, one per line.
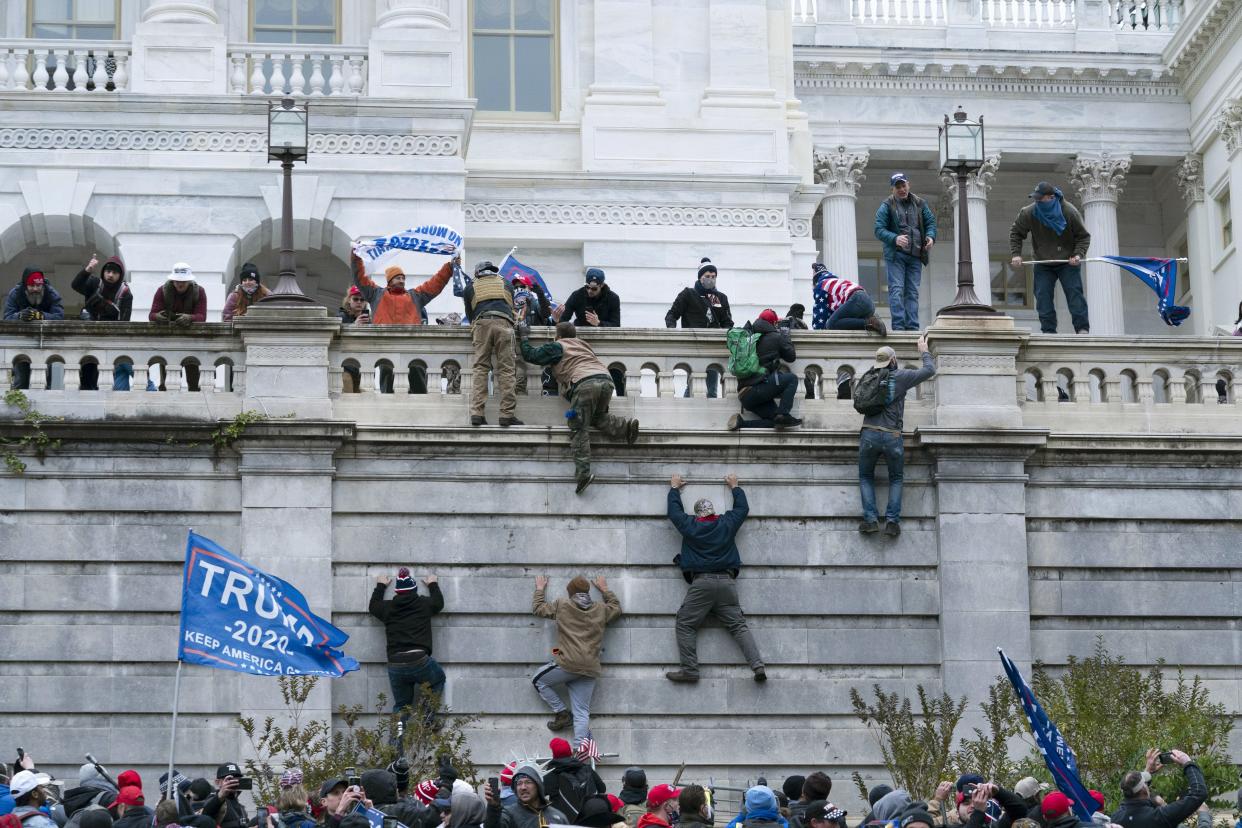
(759, 392)
(585, 382)
(247, 292)
(108, 299)
(31, 300)
(179, 301)
(842, 305)
(394, 305)
(702, 306)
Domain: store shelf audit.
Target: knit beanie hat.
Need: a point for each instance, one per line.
(249, 271)
(392, 271)
(759, 798)
(706, 266)
(425, 791)
(34, 278)
(506, 774)
(917, 816)
(768, 315)
(818, 267)
(405, 583)
(792, 786)
(560, 748)
(578, 584)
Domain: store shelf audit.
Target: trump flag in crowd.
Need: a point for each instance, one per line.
(235, 616)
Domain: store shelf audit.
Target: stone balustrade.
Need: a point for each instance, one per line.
(64, 66)
(1029, 14)
(1145, 15)
(275, 69)
(1136, 384)
(900, 12)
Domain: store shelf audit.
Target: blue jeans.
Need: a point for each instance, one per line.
(904, 274)
(713, 383)
(853, 313)
(406, 679)
(760, 399)
(871, 446)
(1046, 277)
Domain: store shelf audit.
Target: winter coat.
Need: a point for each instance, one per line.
(346, 317)
(691, 307)
(892, 417)
(1046, 244)
(239, 302)
(633, 812)
(75, 799)
(774, 346)
(405, 308)
(888, 227)
(568, 782)
(708, 545)
(32, 817)
(579, 632)
(167, 299)
(1143, 813)
(50, 305)
(135, 816)
(607, 306)
(105, 302)
(234, 813)
(651, 821)
(406, 618)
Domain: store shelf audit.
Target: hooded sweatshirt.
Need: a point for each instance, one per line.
(105, 302)
(92, 787)
(708, 545)
(889, 806)
(50, 305)
(406, 619)
(518, 815)
(579, 632)
(468, 811)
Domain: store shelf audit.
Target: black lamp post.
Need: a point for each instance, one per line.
(961, 152)
(287, 140)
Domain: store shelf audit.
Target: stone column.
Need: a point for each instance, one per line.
(624, 53)
(412, 14)
(1229, 126)
(841, 171)
(1099, 179)
(418, 49)
(1198, 244)
(978, 184)
(180, 48)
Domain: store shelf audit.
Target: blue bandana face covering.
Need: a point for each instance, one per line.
(1050, 214)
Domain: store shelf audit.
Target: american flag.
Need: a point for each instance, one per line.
(587, 750)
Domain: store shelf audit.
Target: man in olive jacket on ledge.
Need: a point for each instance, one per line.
(710, 562)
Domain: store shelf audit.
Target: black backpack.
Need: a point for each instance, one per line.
(873, 391)
(572, 790)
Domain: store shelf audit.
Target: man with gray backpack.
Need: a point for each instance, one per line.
(756, 353)
(880, 396)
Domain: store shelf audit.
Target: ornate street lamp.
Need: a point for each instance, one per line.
(287, 141)
(961, 152)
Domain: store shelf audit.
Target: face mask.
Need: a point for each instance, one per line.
(250, 288)
(709, 282)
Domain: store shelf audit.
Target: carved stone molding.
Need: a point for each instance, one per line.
(633, 214)
(987, 80)
(799, 228)
(148, 140)
(287, 355)
(1099, 177)
(1190, 178)
(1229, 124)
(841, 170)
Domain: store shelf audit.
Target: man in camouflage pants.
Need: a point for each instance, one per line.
(586, 383)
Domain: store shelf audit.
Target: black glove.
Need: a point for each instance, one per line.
(448, 774)
(30, 315)
(183, 319)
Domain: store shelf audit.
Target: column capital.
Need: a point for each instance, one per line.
(841, 170)
(1229, 124)
(978, 183)
(1099, 177)
(1190, 178)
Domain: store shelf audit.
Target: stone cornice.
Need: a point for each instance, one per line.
(1199, 32)
(624, 214)
(841, 170)
(1099, 177)
(168, 140)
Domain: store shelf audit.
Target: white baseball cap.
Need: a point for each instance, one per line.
(181, 272)
(26, 781)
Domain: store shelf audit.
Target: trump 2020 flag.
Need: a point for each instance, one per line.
(1161, 276)
(1058, 756)
(511, 267)
(426, 238)
(235, 616)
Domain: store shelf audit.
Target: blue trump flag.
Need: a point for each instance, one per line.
(1058, 756)
(235, 616)
(511, 267)
(1161, 276)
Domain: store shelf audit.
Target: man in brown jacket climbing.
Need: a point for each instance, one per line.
(580, 622)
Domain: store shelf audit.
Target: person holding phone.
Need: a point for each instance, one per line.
(224, 806)
(1139, 808)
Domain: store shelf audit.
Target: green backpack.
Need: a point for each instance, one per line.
(743, 353)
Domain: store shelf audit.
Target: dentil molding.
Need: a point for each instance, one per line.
(326, 143)
(1099, 177)
(632, 214)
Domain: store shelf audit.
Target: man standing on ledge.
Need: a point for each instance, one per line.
(1058, 234)
(710, 562)
(489, 307)
(907, 227)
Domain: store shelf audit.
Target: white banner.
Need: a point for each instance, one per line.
(427, 238)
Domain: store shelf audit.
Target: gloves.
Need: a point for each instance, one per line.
(523, 330)
(183, 320)
(448, 774)
(162, 316)
(30, 315)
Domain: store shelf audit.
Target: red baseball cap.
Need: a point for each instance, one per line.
(1099, 798)
(1055, 804)
(660, 794)
(615, 802)
(130, 795)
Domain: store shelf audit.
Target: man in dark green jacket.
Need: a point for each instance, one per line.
(710, 563)
(1057, 233)
(907, 228)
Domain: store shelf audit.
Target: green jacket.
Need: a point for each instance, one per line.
(1073, 241)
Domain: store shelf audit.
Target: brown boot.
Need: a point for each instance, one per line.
(561, 721)
(875, 325)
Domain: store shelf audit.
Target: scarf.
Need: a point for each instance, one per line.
(1051, 215)
(707, 519)
(582, 600)
(395, 290)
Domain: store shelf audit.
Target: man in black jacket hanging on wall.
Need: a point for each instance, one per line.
(407, 627)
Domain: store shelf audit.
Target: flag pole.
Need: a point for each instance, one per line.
(1090, 259)
(172, 741)
(508, 256)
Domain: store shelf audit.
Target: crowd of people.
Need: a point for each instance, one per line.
(565, 789)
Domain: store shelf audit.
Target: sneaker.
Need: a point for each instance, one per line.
(786, 421)
(892, 529)
(583, 483)
(505, 422)
(869, 527)
(735, 422)
(477, 421)
(562, 720)
(631, 432)
(760, 675)
(682, 677)
(876, 325)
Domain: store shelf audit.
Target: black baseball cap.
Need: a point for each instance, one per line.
(228, 769)
(328, 785)
(1042, 189)
(594, 274)
(823, 809)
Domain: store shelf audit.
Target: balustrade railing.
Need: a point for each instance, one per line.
(804, 11)
(273, 69)
(1145, 15)
(1029, 14)
(64, 66)
(395, 374)
(900, 12)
